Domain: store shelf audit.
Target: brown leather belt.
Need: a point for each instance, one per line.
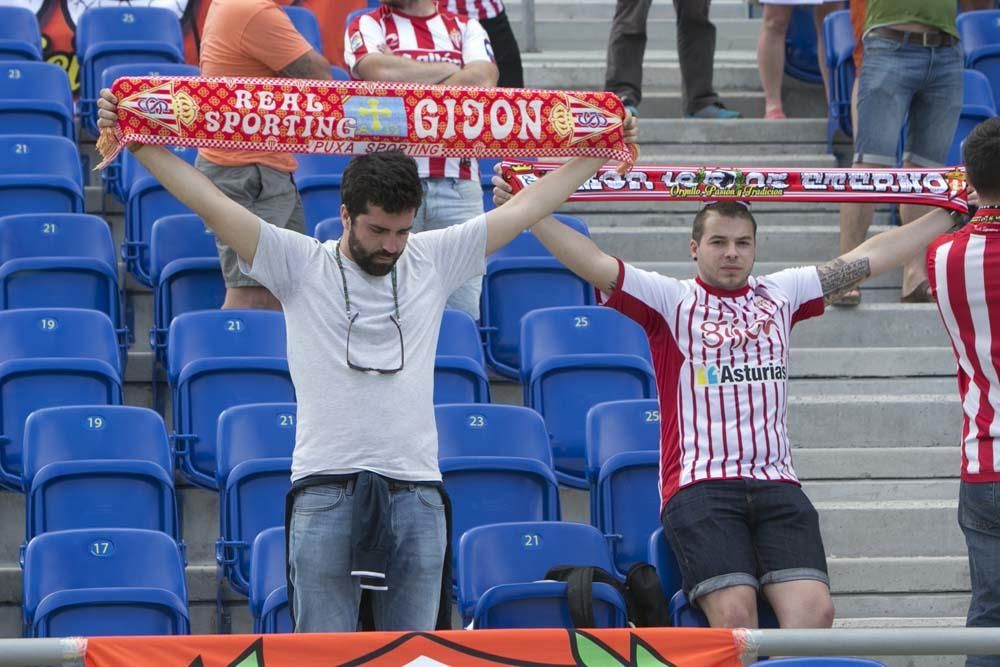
(930, 40)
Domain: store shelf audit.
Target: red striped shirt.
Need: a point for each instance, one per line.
(477, 9)
(721, 360)
(964, 273)
(441, 37)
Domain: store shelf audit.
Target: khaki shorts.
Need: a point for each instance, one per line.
(267, 193)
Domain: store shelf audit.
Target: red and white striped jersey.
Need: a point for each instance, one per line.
(441, 37)
(721, 362)
(964, 273)
(477, 9)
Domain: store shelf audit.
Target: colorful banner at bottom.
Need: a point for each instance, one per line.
(644, 647)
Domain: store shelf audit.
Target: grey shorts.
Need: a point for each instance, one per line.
(267, 193)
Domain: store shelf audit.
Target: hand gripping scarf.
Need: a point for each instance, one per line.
(357, 117)
(945, 187)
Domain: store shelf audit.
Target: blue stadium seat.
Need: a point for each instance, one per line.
(521, 277)
(20, 37)
(517, 554)
(107, 36)
(185, 272)
(253, 431)
(215, 360)
(305, 22)
(60, 260)
(838, 38)
(977, 106)
(573, 358)
(52, 357)
(111, 175)
(662, 557)
(339, 73)
(35, 98)
(147, 202)
(98, 467)
(459, 366)
(497, 466)
(318, 181)
(980, 33)
(623, 447)
(252, 500)
(268, 590)
(330, 229)
(800, 47)
(39, 174)
(104, 581)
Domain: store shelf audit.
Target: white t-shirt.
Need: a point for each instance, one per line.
(721, 363)
(349, 420)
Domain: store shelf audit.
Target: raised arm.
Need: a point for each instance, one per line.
(883, 252)
(579, 253)
(235, 225)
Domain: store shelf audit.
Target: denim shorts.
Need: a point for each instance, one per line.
(912, 85)
(743, 532)
(267, 193)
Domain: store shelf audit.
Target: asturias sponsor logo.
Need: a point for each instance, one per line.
(711, 376)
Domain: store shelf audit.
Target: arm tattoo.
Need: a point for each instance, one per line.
(307, 66)
(839, 275)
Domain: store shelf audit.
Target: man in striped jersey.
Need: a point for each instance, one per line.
(964, 273)
(410, 40)
(731, 505)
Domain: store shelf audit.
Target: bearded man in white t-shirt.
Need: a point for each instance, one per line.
(731, 505)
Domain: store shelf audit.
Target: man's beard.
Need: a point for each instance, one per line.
(367, 260)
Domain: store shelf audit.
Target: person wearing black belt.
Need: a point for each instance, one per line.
(911, 73)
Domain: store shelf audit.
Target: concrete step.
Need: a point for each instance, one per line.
(838, 462)
(558, 34)
(930, 606)
(903, 363)
(879, 420)
(942, 574)
(870, 387)
(807, 243)
(881, 490)
(718, 158)
(590, 72)
(667, 216)
(892, 529)
(874, 325)
(602, 9)
(668, 104)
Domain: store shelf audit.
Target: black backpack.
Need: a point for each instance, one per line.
(645, 601)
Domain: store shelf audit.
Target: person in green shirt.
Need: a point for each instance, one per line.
(912, 73)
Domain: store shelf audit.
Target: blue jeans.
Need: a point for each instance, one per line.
(979, 517)
(905, 83)
(326, 597)
(447, 202)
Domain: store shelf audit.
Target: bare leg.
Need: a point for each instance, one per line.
(771, 55)
(855, 219)
(252, 298)
(731, 607)
(801, 604)
(915, 285)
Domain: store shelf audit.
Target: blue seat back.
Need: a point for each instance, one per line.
(318, 180)
(56, 235)
(800, 46)
(231, 333)
(491, 430)
(628, 505)
(39, 174)
(615, 427)
(838, 39)
(76, 583)
(35, 98)
(252, 500)
(662, 557)
(459, 337)
(106, 432)
(330, 229)
(182, 236)
(526, 244)
(511, 553)
(58, 333)
(107, 36)
(147, 201)
(305, 22)
(339, 73)
(80, 463)
(980, 33)
(977, 106)
(254, 431)
(267, 571)
(544, 605)
(459, 365)
(20, 36)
